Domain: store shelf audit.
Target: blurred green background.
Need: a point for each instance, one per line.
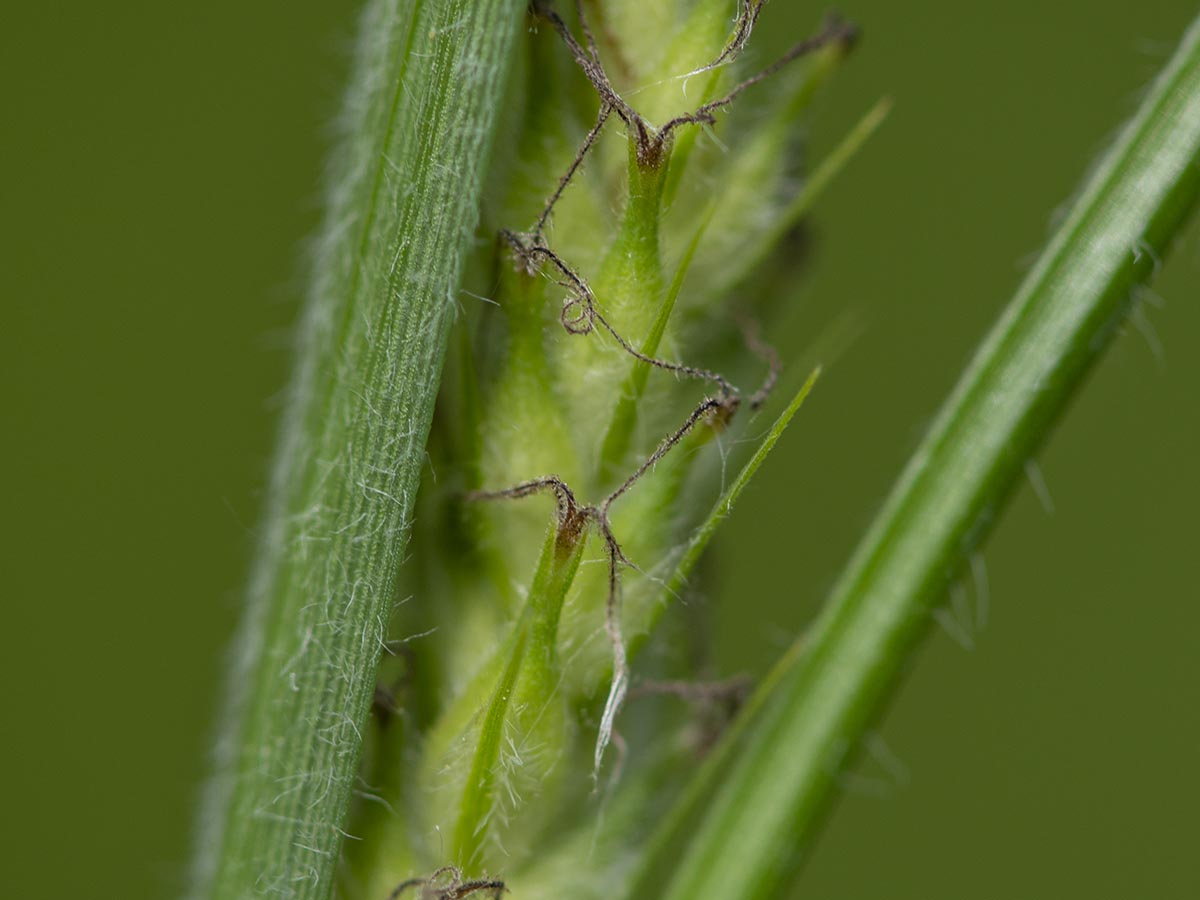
(161, 166)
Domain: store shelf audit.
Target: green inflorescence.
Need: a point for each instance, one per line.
(589, 374)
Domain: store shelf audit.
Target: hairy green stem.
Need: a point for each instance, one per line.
(403, 206)
(766, 789)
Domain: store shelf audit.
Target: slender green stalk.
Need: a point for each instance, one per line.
(765, 804)
(403, 206)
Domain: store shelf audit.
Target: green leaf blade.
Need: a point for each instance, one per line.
(403, 204)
